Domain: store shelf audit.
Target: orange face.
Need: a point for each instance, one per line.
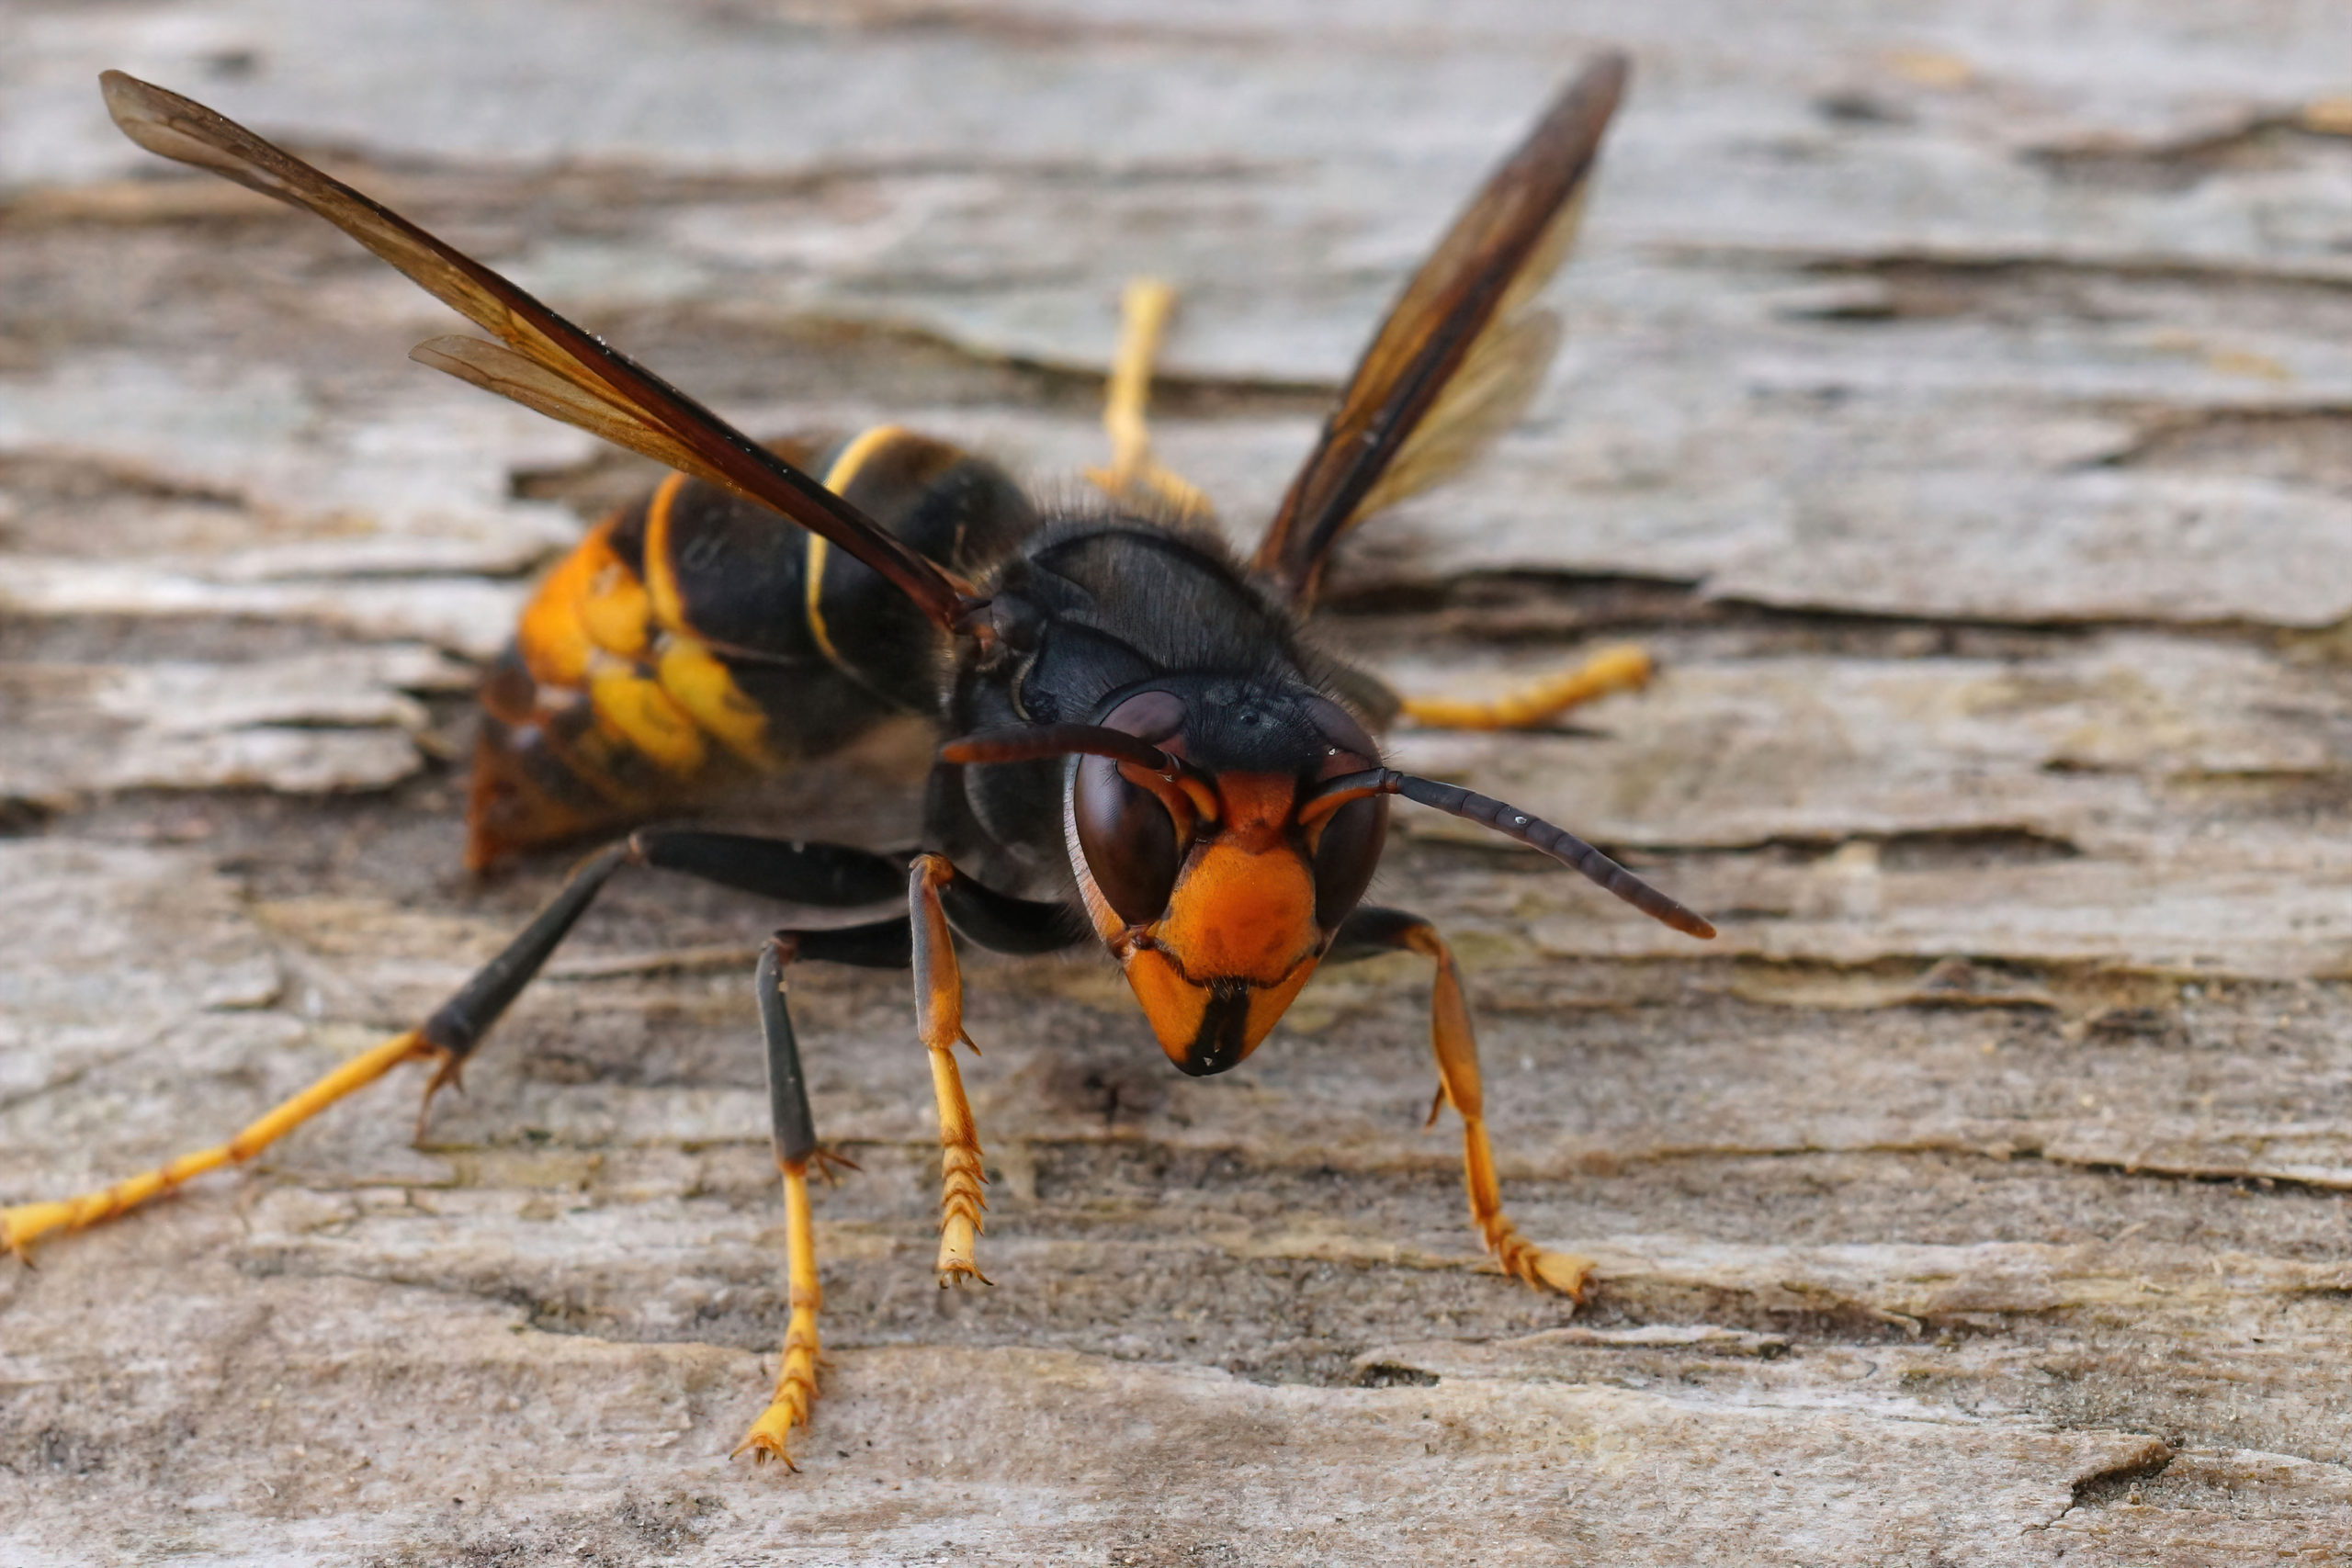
(1238, 935)
(1214, 890)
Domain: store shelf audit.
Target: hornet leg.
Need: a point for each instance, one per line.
(940, 894)
(1134, 476)
(796, 1147)
(1623, 668)
(826, 874)
(939, 1019)
(879, 944)
(1371, 931)
(941, 903)
(26, 1222)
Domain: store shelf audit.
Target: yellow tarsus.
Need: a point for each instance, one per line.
(795, 1380)
(939, 1021)
(1623, 668)
(961, 1176)
(1564, 1272)
(1454, 1043)
(26, 1222)
(1133, 475)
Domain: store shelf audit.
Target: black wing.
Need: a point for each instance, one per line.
(548, 364)
(1463, 350)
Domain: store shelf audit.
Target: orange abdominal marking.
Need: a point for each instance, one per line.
(553, 636)
(633, 709)
(618, 682)
(608, 701)
(616, 611)
(660, 578)
(619, 703)
(696, 682)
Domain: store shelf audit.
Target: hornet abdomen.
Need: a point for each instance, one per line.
(693, 640)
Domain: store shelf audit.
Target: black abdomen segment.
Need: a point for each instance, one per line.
(680, 645)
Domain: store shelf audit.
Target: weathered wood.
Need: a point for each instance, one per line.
(1956, 404)
(323, 721)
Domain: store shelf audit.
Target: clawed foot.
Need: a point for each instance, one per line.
(795, 1392)
(24, 1223)
(1134, 477)
(956, 1270)
(766, 1439)
(958, 1231)
(1625, 668)
(448, 1072)
(1565, 1273)
(21, 1225)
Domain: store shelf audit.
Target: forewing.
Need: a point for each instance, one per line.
(524, 380)
(550, 363)
(1487, 397)
(1463, 350)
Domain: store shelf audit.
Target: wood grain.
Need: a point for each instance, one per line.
(1955, 402)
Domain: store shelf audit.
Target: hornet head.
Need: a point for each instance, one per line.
(1221, 829)
(1209, 870)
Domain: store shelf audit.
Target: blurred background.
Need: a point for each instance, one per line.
(1957, 399)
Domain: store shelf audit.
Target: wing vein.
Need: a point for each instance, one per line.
(1463, 349)
(551, 365)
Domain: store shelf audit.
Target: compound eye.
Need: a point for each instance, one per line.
(1351, 750)
(1128, 839)
(1346, 856)
(1348, 852)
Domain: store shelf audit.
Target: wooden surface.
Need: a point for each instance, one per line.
(1958, 400)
